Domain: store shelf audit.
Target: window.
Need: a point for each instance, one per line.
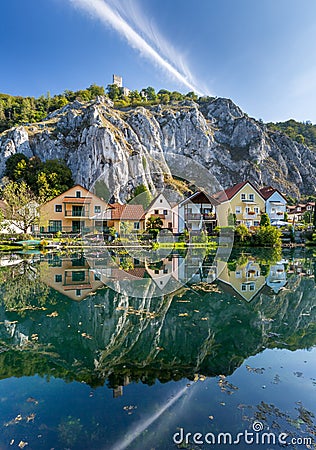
(169, 225)
(256, 210)
(298, 208)
(309, 208)
(136, 225)
(78, 292)
(238, 274)
(58, 208)
(78, 194)
(252, 286)
(251, 197)
(256, 223)
(243, 287)
(156, 211)
(58, 278)
(78, 276)
(165, 211)
(247, 209)
(238, 210)
(97, 209)
(156, 271)
(54, 226)
(243, 196)
(161, 200)
(97, 277)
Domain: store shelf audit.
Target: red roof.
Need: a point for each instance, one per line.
(267, 191)
(127, 212)
(229, 193)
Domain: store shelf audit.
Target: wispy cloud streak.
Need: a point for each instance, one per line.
(111, 14)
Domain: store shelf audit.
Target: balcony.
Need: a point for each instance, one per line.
(279, 215)
(251, 216)
(191, 216)
(209, 216)
(84, 212)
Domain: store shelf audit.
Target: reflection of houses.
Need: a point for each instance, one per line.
(166, 211)
(245, 278)
(74, 211)
(243, 200)
(277, 277)
(275, 203)
(162, 271)
(70, 276)
(197, 213)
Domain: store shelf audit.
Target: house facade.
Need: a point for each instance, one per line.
(298, 212)
(275, 203)
(127, 219)
(74, 211)
(197, 213)
(242, 200)
(166, 211)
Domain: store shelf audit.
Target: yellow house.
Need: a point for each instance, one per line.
(243, 200)
(245, 279)
(74, 211)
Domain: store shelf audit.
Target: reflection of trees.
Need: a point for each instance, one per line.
(116, 337)
(22, 288)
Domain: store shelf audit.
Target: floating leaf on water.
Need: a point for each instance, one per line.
(22, 444)
(12, 442)
(32, 400)
(53, 314)
(183, 315)
(211, 417)
(30, 418)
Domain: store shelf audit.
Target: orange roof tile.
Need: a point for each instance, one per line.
(127, 212)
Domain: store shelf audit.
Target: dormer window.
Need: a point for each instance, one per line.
(78, 194)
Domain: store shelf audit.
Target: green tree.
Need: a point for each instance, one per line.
(114, 92)
(141, 196)
(21, 205)
(269, 236)
(11, 165)
(154, 225)
(264, 220)
(242, 233)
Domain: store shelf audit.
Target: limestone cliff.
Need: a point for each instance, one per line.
(128, 147)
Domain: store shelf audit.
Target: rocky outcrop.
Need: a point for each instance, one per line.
(128, 147)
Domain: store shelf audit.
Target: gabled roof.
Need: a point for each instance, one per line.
(228, 194)
(268, 191)
(200, 197)
(127, 212)
(155, 199)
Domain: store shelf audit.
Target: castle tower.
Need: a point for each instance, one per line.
(118, 80)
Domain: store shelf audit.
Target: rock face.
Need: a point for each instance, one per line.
(126, 148)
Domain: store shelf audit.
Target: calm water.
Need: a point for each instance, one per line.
(204, 348)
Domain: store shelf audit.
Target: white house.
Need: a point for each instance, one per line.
(165, 210)
(197, 213)
(275, 203)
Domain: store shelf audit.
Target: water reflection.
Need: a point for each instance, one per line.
(206, 328)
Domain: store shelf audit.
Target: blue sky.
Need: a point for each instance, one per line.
(259, 53)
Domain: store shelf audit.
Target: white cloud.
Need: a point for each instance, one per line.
(130, 23)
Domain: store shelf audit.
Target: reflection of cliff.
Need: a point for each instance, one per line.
(110, 335)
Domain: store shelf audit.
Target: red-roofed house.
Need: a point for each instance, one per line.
(243, 200)
(127, 218)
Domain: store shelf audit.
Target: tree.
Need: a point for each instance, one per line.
(154, 225)
(11, 166)
(269, 236)
(242, 233)
(21, 205)
(114, 92)
(141, 196)
(264, 221)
